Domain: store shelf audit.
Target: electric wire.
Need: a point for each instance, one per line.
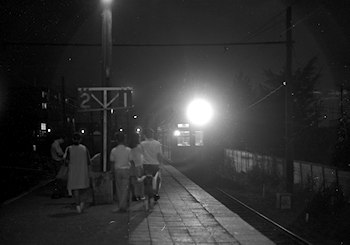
(222, 44)
(266, 96)
(270, 24)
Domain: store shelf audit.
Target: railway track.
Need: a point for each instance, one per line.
(266, 226)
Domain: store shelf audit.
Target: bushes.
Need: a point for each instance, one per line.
(326, 201)
(258, 177)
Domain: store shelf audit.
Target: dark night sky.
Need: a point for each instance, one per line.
(170, 75)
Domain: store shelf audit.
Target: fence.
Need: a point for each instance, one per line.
(306, 174)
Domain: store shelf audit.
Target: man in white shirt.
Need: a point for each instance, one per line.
(119, 157)
(153, 157)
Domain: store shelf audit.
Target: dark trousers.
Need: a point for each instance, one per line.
(152, 169)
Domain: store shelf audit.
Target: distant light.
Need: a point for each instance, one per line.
(49, 130)
(121, 130)
(177, 133)
(199, 112)
(106, 2)
(138, 129)
(135, 116)
(112, 111)
(183, 125)
(43, 126)
(82, 131)
(325, 116)
(284, 83)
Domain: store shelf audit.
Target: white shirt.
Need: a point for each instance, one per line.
(120, 157)
(151, 148)
(136, 156)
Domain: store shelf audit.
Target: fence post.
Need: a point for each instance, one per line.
(301, 175)
(312, 177)
(323, 179)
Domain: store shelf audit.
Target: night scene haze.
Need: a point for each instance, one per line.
(247, 101)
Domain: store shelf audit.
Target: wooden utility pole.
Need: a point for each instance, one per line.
(289, 142)
(63, 103)
(106, 75)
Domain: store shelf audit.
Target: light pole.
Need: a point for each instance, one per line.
(106, 69)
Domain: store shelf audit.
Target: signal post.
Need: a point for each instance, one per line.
(96, 99)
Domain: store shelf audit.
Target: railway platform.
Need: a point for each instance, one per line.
(184, 214)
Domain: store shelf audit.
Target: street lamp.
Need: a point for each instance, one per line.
(106, 2)
(199, 112)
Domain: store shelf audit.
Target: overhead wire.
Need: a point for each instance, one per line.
(267, 26)
(266, 96)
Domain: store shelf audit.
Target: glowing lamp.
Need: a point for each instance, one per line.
(177, 133)
(199, 112)
(106, 2)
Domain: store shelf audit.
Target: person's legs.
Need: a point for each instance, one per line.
(133, 187)
(76, 194)
(138, 185)
(118, 188)
(124, 189)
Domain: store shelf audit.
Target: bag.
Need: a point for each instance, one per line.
(62, 173)
(155, 179)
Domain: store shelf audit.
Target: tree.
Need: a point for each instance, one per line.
(305, 112)
(341, 156)
(305, 108)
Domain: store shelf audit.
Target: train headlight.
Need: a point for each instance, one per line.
(199, 112)
(177, 133)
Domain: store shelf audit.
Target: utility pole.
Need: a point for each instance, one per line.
(289, 142)
(106, 74)
(63, 103)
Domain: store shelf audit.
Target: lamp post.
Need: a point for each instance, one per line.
(106, 69)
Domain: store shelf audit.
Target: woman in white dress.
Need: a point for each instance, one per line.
(78, 158)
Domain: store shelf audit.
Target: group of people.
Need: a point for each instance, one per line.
(131, 164)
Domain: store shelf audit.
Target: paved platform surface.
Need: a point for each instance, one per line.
(185, 214)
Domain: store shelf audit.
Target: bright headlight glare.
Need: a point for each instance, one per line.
(199, 112)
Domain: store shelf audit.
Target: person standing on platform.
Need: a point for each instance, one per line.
(78, 158)
(57, 163)
(136, 170)
(119, 157)
(153, 158)
(56, 154)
